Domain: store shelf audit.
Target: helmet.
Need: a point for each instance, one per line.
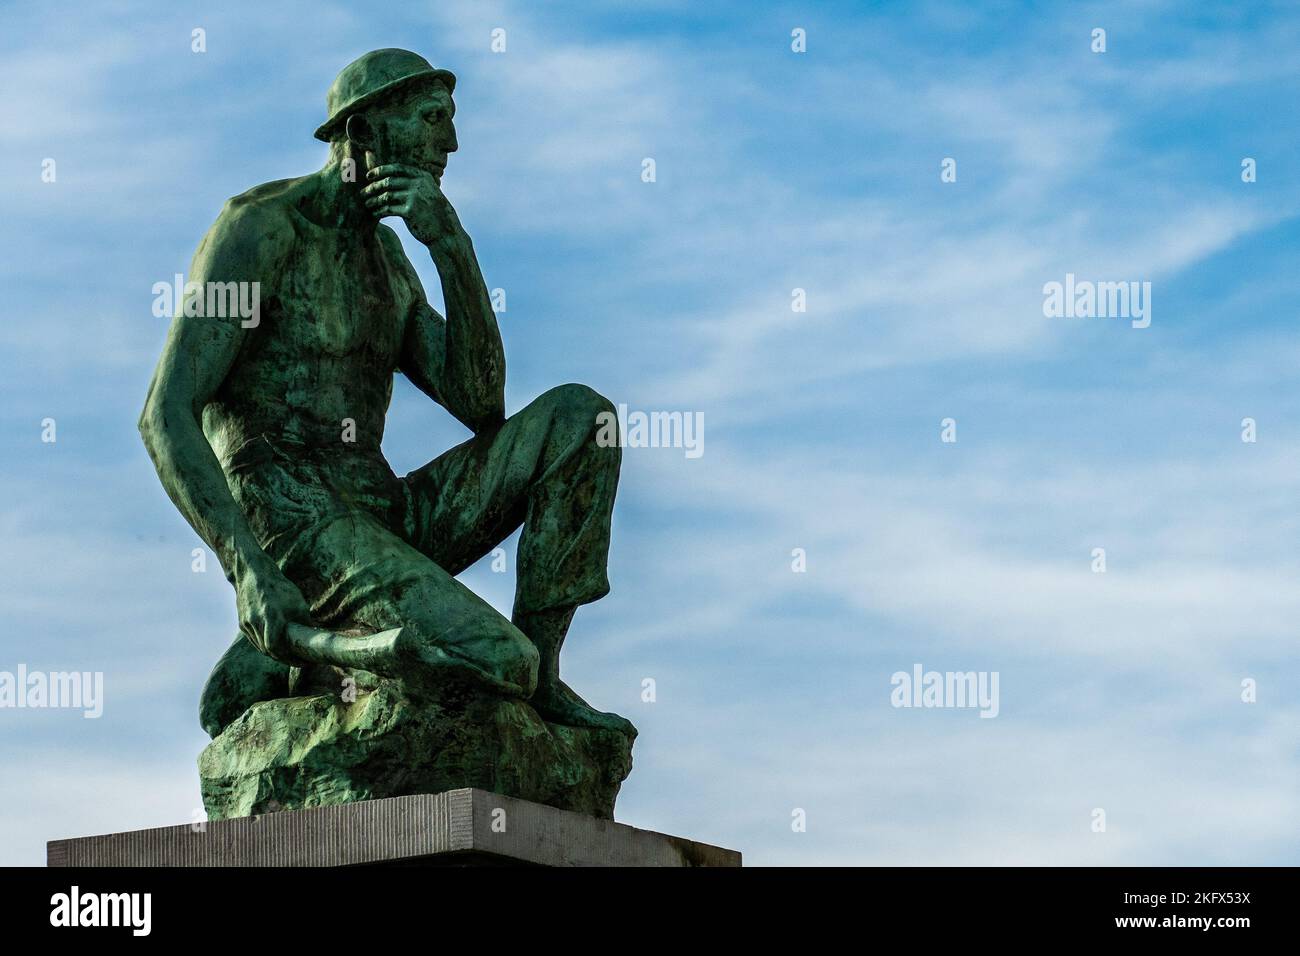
(370, 78)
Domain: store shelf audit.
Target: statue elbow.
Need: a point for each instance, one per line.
(153, 422)
(146, 425)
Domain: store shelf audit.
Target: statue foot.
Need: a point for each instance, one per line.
(556, 702)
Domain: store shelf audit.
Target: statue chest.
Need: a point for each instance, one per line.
(346, 301)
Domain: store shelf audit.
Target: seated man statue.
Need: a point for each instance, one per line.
(266, 434)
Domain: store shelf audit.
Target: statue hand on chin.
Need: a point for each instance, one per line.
(415, 196)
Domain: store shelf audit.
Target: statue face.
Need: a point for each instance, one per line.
(417, 131)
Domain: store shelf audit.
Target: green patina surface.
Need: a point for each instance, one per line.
(311, 751)
(364, 667)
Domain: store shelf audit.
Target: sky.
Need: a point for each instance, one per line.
(772, 730)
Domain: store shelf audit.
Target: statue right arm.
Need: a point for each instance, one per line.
(244, 245)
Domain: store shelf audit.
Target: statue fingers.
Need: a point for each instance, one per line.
(386, 202)
(394, 169)
(385, 184)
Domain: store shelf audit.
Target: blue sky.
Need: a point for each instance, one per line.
(775, 171)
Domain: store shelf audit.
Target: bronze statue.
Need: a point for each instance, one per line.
(266, 434)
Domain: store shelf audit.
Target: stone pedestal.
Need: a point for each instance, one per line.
(296, 753)
(457, 828)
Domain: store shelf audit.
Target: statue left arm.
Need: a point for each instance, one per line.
(459, 361)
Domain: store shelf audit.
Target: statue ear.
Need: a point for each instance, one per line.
(360, 131)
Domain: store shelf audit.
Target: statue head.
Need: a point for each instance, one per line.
(394, 105)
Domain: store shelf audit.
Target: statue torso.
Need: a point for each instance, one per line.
(318, 368)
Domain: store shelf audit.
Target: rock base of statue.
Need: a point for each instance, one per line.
(294, 753)
(458, 828)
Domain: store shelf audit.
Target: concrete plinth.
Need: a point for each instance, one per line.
(458, 827)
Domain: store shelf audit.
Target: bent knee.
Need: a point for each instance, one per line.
(586, 420)
(580, 403)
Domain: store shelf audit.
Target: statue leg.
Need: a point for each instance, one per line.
(378, 604)
(555, 700)
(241, 678)
(358, 575)
(543, 469)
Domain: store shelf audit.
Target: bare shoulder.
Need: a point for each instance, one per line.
(255, 228)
